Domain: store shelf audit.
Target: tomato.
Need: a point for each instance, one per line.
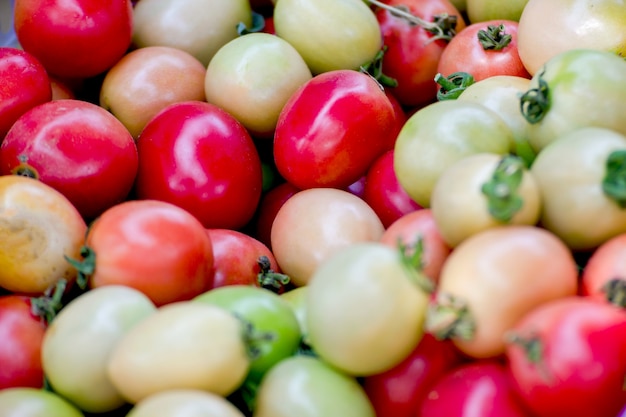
(566, 357)
(579, 176)
(296, 299)
(252, 77)
(335, 219)
(39, 226)
(484, 49)
(484, 10)
(419, 228)
(492, 279)
(414, 42)
(384, 194)
(400, 391)
(479, 388)
(315, 389)
(184, 402)
(365, 308)
(92, 159)
(481, 191)
(604, 274)
(198, 27)
(236, 258)
(438, 135)
(76, 38)
(25, 85)
(354, 40)
(124, 237)
(199, 157)
(183, 345)
(332, 129)
(34, 402)
(268, 207)
(146, 80)
(576, 88)
(548, 28)
(21, 332)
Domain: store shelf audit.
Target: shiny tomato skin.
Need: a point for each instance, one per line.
(466, 53)
(76, 147)
(581, 363)
(25, 84)
(400, 391)
(331, 130)
(75, 38)
(22, 334)
(197, 156)
(412, 55)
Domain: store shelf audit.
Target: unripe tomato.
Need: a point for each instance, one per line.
(187, 402)
(34, 402)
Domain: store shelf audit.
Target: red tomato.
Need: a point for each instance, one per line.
(197, 156)
(22, 334)
(25, 84)
(74, 38)
(604, 274)
(413, 51)
(331, 130)
(92, 159)
(400, 391)
(401, 116)
(236, 258)
(153, 246)
(478, 388)
(484, 49)
(271, 202)
(383, 192)
(567, 358)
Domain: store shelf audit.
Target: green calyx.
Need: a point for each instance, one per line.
(453, 85)
(412, 256)
(535, 103)
(375, 69)
(86, 266)
(614, 182)
(449, 318)
(258, 24)
(501, 191)
(494, 38)
(269, 279)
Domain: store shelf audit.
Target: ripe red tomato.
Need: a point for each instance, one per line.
(25, 84)
(413, 51)
(331, 130)
(566, 357)
(74, 38)
(197, 156)
(484, 49)
(92, 159)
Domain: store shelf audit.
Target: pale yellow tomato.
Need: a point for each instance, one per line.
(187, 403)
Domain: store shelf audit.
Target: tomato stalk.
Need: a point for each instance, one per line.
(269, 279)
(253, 339)
(85, 267)
(615, 291)
(413, 259)
(533, 347)
(443, 26)
(501, 190)
(50, 303)
(258, 24)
(449, 317)
(453, 85)
(535, 103)
(494, 38)
(375, 69)
(24, 169)
(614, 182)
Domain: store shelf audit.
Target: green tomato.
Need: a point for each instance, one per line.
(273, 322)
(78, 343)
(365, 309)
(576, 88)
(329, 34)
(306, 386)
(187, 403)
(32, 402)
(438, 135)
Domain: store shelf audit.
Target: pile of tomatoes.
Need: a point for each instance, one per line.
(280, 208)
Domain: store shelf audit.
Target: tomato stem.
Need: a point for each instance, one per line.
(443, 26)
(453, 85)
(413, 259)
(50, 303)
(253, 339)
(258, 24)
(375, 69)
(24, 169)
(85, 267)
(449, 317)
(614, 182)
(494, 38)
(534, 349)
(501, 190)
(535, 103)
(615, 290)
(269, 279)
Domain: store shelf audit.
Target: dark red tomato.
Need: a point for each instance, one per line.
(236, 258)
(484, 49)
(401, 116)
(477, 388)
(413, 51)
(74, 38)
(400, 391)
(76, 147)
(332, 129)
(25, 84)
(567, 358)
(271, 202)
(21, 333)
(383, 192)
(197, 156)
